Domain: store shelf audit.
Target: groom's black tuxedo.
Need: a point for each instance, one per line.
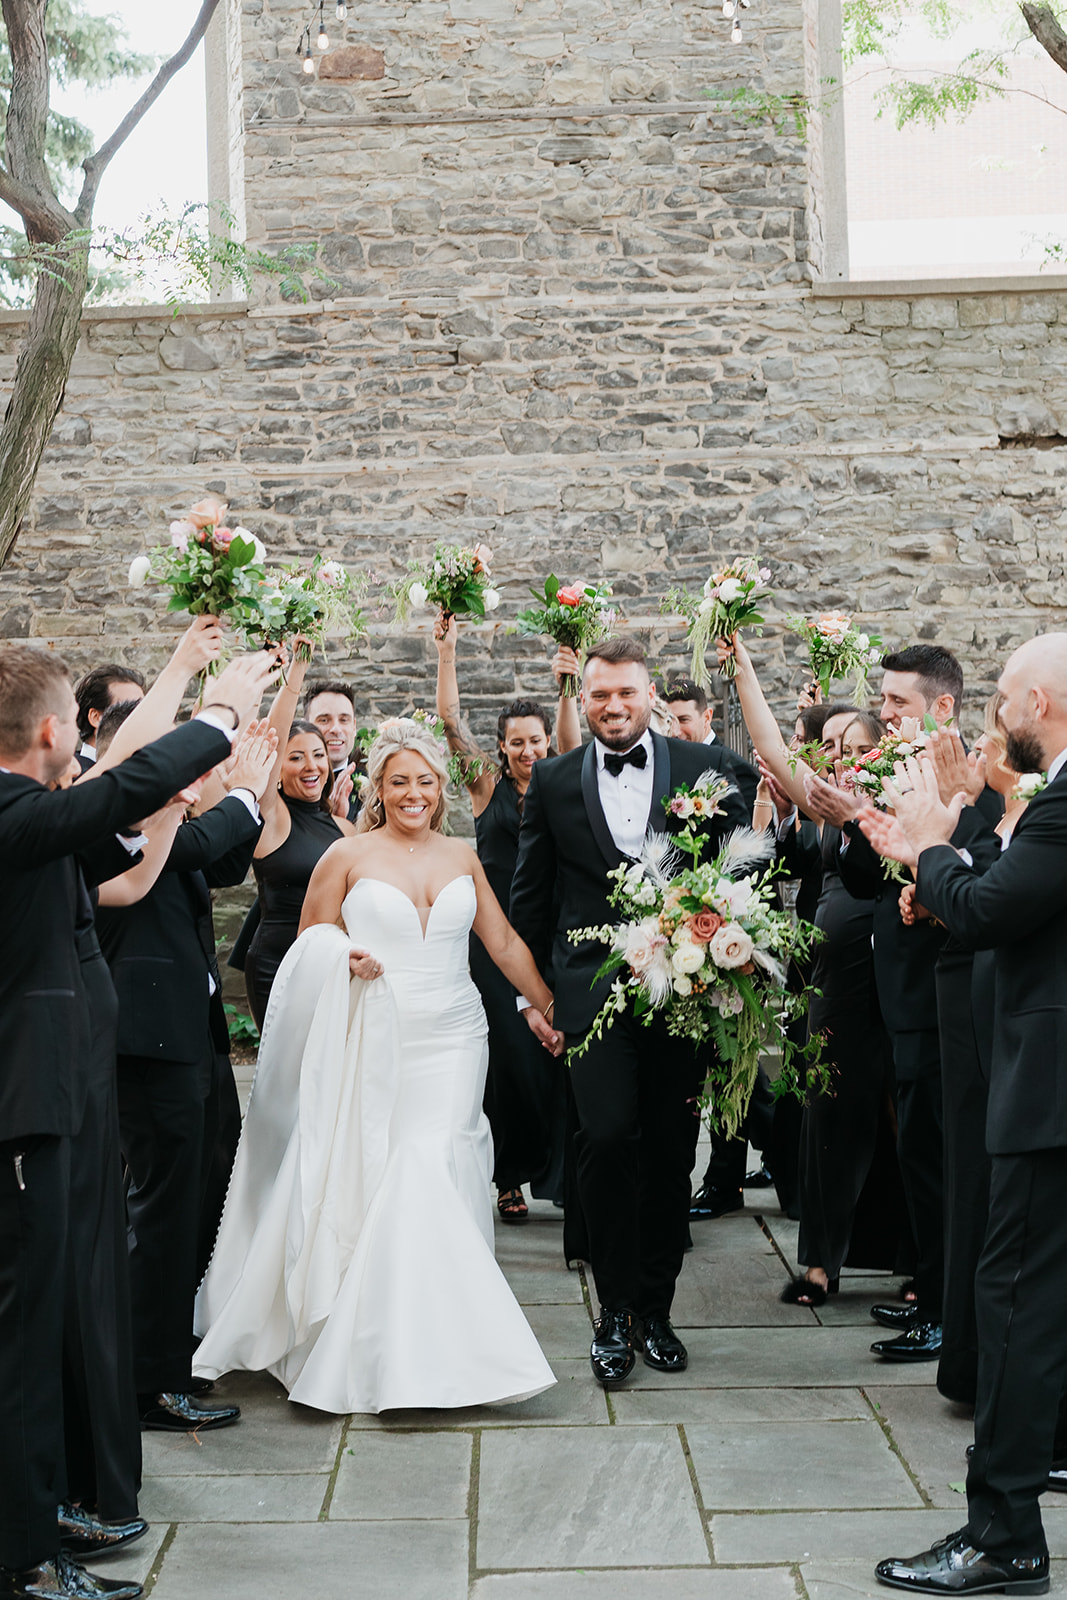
(633, 1088)
(566, 851)
(1018, 909)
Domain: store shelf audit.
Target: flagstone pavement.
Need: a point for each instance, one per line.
(782, 1464)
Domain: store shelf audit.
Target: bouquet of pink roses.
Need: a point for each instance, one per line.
(837, 650)
(456, 578)
(208, 568)
(575, 615)
(314, 601)
(727, 604)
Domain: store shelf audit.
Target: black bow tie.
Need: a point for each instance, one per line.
(637, 757)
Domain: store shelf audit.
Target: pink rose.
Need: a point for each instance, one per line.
(207, 511)
(569, 596)
(222, 537)
(704, 926)
(483, 557)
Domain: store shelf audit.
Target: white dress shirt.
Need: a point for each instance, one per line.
(1055, 767)
(88, 751)
(626, 799)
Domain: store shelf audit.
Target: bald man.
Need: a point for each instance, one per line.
(1018, 909)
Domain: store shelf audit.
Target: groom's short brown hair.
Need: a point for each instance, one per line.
(616, 651)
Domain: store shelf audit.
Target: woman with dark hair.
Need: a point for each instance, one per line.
(522, 1098)
(298, 828)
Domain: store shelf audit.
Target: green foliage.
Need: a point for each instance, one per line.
(242, 1030)
(782, 111)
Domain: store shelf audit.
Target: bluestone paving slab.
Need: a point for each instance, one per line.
(738, 1405)
(733, 1292)
(715, 1238)
(586, 1497)
(574, 1399)
(262, 1497)
(403, 1475)
(773, 1583)
(326, 1560)
(781, 1358)
(533, 1286)
(131, 1563)
(772, 1465)
(765, 1537)
(563, 1331)
(272, 1434)
(931, 1434)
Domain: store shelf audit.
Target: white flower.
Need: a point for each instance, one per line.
(1029, 784)
(834, 625)
(418, 594)
(862, 641)
(689, 958)
(257, 544)
(730, 589)
(730, 947)
(706, 606)
(727, 1001)
(491, 599)
(140, 567)
(637, 946)
(738, 896)
(683, 985)
(180, 534)
(333, 573)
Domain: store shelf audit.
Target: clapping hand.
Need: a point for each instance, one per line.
(829, 802)
(361, 964)
(885, 835)
(539, 1025)
(253, 759)
(957, 772)
(341, 793)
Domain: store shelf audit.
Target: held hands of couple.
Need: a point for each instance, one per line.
(554, 1042)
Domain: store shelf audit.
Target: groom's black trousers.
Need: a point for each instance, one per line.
(634, 1090)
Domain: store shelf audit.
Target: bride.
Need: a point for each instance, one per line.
(355, 1256)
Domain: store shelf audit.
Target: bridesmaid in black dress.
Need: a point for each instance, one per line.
(522, 1093)
(298, 829)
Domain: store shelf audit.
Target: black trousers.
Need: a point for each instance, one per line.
(33, 1242)
(965, 1094)
(1021, 1298)
(161, 1114)
(222, 1133)
(729, 1157)
(637, 1134)
(920, 1152)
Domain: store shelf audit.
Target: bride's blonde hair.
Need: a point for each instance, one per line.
(401, 733)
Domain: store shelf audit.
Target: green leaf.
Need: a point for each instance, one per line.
(551, 588)
(241, 552)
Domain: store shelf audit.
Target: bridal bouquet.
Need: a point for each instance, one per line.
(729, 602)
(837, 650)
(209, 569)
(317, 600)
(865, 775)
(705, 945)
(575, 615)
(456, 579)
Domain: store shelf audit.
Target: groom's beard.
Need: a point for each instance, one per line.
(620, 735)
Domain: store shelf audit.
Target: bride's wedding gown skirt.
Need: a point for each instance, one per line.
(355, 1257)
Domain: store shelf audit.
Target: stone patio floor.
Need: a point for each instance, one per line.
(783, 1464)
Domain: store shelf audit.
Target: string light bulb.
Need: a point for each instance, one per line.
(342, 10)
(323, 40)
(736, 36)
(304, 49)
(728, 8)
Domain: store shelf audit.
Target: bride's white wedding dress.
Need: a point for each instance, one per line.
(355, 1257)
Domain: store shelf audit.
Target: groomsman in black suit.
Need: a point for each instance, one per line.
(1017, 908)
(96, 692)
(172, 1042)
(44, 1052)
(924, 679)
(585, 813)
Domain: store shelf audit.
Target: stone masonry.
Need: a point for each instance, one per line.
(573, 315)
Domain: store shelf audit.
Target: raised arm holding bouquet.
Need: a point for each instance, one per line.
(836, 649)
(730, 601)
(313, 602)
(575, 615)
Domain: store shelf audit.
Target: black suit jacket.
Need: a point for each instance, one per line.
(565, 852)
(741, 771)
(161, 949)
(904, 958)
(44, 1022)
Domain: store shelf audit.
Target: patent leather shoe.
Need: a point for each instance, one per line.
(82, 1534)
(180, 1413)
(200, 1386)
(899, 1318)
(921, 1342)
(710, 1201)
(955, 1566)
(62, 1579)
(611, 1354)
(661, 1346)
(1057, 1477)
(760, 1178)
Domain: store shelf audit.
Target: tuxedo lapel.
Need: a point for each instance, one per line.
(595, 811)
(661, 784)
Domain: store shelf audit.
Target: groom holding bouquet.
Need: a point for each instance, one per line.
(585, 814)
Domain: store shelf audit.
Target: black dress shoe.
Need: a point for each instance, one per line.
(611, 1354)
(899, 1317)
(760, 1179)
(82, 1534)
(201, 1385)
(1057, 1477)
(661, 1345)
(712, 1202)
(956, 1566)
(922, 1342)
(180, 1413)
(62, 1579)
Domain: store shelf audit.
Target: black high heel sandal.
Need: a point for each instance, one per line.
(806, 1292)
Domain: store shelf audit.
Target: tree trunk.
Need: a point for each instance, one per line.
(1041, 20)
(40, 381)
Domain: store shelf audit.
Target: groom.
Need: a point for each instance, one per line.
(585, 813)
